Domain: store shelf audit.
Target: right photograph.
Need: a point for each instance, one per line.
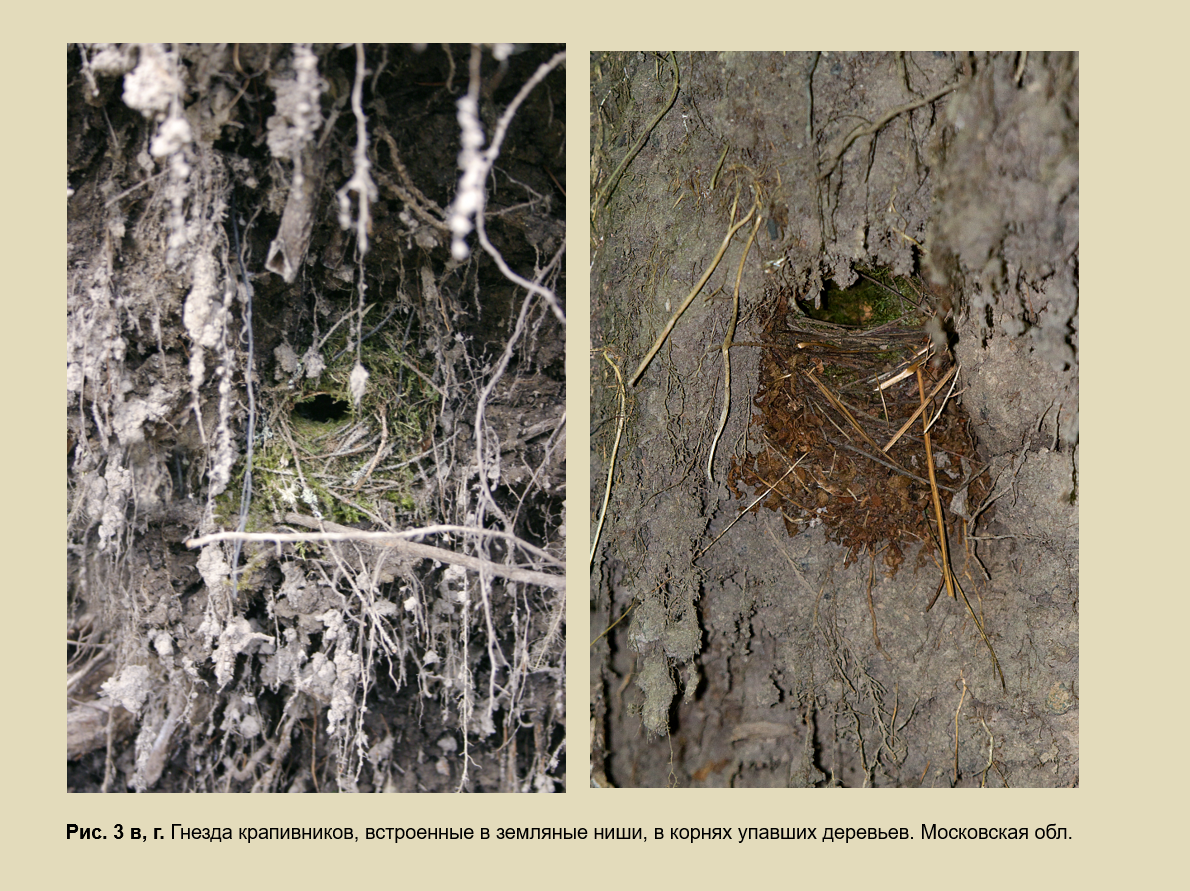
(834, 419)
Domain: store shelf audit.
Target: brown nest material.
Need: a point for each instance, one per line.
(830, 401)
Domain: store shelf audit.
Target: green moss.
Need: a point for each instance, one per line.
(402, 500)
(876, 299)
(394, 390)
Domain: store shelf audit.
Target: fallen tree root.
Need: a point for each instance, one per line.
(397, 541)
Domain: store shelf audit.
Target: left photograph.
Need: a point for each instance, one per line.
(316, 418)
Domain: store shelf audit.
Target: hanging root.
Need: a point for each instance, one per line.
(727, 339)
(661, 338)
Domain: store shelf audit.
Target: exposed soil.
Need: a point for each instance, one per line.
(278, 323)
(793, 644)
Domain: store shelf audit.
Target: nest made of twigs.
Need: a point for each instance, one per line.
(829, 402)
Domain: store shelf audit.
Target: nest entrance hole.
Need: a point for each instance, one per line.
(322, 408)
(868, 303)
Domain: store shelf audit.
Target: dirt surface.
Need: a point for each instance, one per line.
(777, 647)
(279, 321)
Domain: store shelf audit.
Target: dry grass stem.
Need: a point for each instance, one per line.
(917, 413)
(756, 501)
(693, 291)
(946, 573)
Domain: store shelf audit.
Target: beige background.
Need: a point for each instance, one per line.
(1123, 820)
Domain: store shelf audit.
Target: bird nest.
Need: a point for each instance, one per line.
(858, 428)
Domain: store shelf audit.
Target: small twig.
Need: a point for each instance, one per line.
(891, 378)
(546, 294)
(719, 167)
(917, 412)
(945, 398)
(889, 464)
(934, 599)
(842, 409)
